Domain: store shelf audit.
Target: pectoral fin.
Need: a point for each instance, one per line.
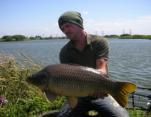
(51, 96)
(72, 101)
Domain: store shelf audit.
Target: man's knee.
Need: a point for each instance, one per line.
(108, 107)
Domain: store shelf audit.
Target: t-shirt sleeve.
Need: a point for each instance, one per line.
(102, 49)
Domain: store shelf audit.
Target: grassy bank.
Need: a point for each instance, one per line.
(25, 100)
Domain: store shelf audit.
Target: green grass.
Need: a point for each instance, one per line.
(138, 113)
(25, 100)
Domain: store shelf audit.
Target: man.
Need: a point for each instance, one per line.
(91, 51)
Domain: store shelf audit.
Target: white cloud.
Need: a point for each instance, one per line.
(141, 25)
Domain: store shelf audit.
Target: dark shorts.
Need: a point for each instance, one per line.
(88, 107)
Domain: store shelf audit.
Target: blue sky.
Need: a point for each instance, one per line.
(39, 17)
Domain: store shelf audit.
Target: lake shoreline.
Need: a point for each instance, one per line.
(13, 38)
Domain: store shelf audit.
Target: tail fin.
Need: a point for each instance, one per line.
(121, 94)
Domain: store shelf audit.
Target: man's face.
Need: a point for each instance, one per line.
(70, 30)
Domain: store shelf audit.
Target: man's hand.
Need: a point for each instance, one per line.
(102, 65)
(102, 73)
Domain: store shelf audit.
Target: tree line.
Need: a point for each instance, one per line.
(23, 38)
(129, 36)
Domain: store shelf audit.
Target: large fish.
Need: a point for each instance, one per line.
(77, 81)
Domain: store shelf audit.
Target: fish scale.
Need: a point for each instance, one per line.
(78, 79)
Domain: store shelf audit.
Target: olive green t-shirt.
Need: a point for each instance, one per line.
(96, 48)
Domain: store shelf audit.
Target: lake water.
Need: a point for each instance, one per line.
(129, 59)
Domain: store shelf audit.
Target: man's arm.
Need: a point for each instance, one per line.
(102, 65)
(102, 55)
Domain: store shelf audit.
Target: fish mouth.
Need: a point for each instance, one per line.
(29, 79)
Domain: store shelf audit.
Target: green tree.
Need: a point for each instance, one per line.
(125, 36)
(18, 37)
(111, 36)
(13, 38)
(6, 38)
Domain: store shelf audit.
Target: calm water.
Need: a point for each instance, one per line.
(129, 59)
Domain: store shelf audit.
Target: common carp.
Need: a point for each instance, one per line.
(77, 81)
